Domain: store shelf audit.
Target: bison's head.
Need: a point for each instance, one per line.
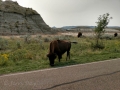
(79, 34)
(51, 57)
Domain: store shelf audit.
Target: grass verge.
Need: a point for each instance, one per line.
(22, 56)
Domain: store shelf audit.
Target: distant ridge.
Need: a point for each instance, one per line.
(85, 27)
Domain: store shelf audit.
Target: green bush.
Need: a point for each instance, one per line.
(17, 55)
(3, 44)
(99, 45)
(18, 45)
(27, 38)
(3, 59)
(46, 40)
(107, 37)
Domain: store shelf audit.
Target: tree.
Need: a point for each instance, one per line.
(99, 30)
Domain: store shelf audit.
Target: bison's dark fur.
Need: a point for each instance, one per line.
(115, 34)
(79, 34)
(58, 48)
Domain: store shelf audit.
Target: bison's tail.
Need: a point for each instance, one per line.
(74, 42)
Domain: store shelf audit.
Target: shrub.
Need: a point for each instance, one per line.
(18, 45)
(46, 39)
(21, 54)
(99, 45)
(27, 38)
(100, 28)
(38, 36)
(3, 44)
(107, 37)
(3, 59)
(29, 55)
(17, 55)
(41, 44)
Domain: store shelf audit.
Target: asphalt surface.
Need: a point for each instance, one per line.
(103, 75)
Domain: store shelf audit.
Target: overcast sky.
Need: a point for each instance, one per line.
(74, 12)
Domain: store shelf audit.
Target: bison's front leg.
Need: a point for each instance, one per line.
(59, 57)
(68, 55)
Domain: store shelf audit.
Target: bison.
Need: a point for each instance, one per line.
(58, 48)
(115, 34)
(79, 34)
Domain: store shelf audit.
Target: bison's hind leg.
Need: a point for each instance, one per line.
(68, 55)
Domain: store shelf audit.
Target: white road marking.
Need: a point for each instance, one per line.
(56, 68)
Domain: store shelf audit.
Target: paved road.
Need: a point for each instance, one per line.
(104, 75)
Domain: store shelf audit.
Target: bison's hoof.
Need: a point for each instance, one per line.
(51, 65)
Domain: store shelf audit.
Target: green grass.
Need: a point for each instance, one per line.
(19, 56)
